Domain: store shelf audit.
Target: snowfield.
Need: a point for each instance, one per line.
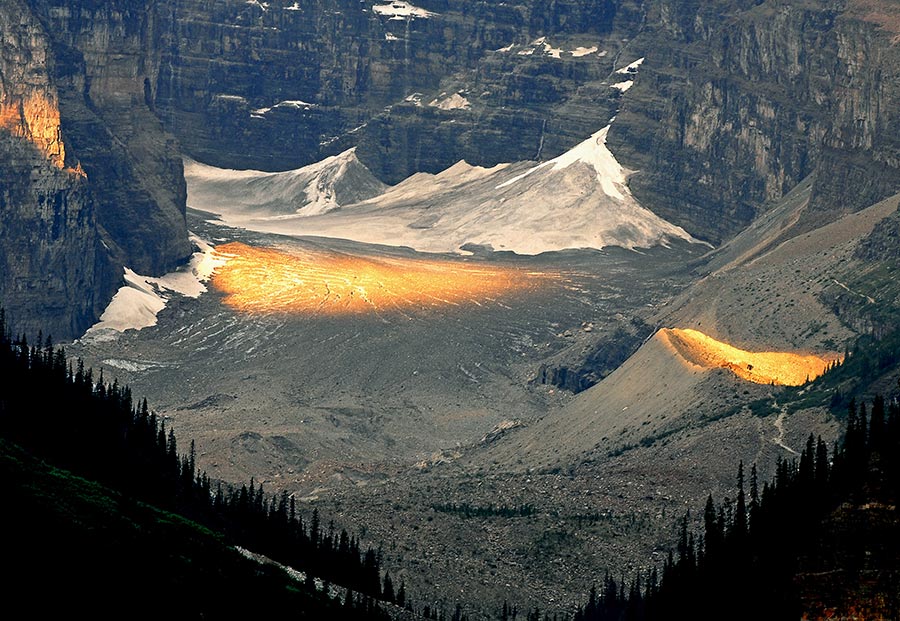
(312, 190)
(542, 47)
(631, 68)
(401, 10)
(136, 304)
(456, 101)
(577, 200)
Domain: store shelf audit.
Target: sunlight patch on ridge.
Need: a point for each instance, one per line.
(768, 367)
(319, 282)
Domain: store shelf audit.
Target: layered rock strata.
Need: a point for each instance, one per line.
(91, 182)
(738, 103)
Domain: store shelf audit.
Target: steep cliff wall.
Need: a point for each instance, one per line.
(107, 58)
(343, 70)
(53, 276)
(734, 111)
(860, 161)
(90, 179)
(737, 102)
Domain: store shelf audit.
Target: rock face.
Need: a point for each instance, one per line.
(281, 84)
(107, 59)
(740, 102)
(90, 180)
(881, 245)
(603, 356)
(737, 102)
(53, 275)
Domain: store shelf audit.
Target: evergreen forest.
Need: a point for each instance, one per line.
(103, 502)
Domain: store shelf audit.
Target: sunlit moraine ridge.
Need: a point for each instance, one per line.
(766, 367)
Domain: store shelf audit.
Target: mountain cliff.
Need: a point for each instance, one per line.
(737, 102)
(740, 102)
(91, 181)
(51, 265)
(278, 85)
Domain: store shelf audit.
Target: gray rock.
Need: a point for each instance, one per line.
(91, 182)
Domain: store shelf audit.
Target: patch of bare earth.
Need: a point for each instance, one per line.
(884, 13)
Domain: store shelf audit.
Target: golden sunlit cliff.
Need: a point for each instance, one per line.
(90, 181)
(35, 117)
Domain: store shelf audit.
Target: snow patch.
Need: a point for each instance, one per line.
(135, 306)
(631, 68)
(415, 98)
(623, 86)
(555, 52)
(543, 47)
(135, 366)
(454, 102)
(263, 5)
(320, 192)
(593, 152)
(537, 43)
(293, 7)
(401, 10)
(389, 36)
(293, 104)
(578, 52)
(308, 191)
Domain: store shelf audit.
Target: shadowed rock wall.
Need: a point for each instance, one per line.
(91, 182)
(737, 101)
(734, 107)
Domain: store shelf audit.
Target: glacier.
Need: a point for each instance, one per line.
(577, 200)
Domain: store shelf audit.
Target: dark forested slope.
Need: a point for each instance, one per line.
(142, 518)
(821, 540)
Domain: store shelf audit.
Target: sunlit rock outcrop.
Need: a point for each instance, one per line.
(90, 180)
(35, 118)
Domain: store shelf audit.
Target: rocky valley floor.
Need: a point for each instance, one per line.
(309, 396)
(421, 423)
(367, 406)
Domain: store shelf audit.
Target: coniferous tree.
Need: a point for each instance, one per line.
(401, 594)
(739, 526)
(388, 589)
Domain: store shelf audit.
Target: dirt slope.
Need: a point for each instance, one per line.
(757, 296)
(762, 295)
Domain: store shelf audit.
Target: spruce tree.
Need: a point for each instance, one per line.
(387, 590)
